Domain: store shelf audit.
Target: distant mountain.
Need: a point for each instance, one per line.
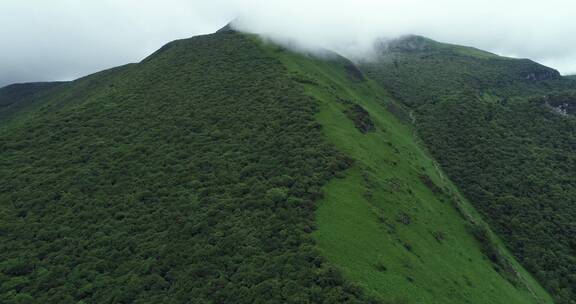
(223, 169)
(498, 126)
(414, 64)
(18, 96)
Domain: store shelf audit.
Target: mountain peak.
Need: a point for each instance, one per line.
(408, 43)
(228, 28)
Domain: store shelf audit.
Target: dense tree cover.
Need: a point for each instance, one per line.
(512, 156)
(18, 96)
(188, 178)
(418, 70)
(517, 163)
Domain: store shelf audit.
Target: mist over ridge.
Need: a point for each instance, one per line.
(64, 39)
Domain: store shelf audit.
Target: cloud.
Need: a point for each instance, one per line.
(65, 39)
(540, 30)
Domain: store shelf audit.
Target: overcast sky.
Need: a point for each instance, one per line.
(44, 40)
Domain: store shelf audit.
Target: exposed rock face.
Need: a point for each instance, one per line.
(543, 75)
(361, 118)
(563, 103)
(567, 107)
(354, 73)
(226, 29)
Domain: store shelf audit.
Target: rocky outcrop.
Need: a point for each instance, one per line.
(548, 74)
(354, 73)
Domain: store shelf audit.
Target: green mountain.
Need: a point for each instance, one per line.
(18, 96)
(394, 223)
(222, 169)
(418, 70)
(502, 130)
(187, 178)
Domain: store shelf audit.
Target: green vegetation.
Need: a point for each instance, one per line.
(188, 178)
(393, 223)
(414, 44)
(512, 155)
(194, 177)
(421, 71)
(563, 103)
(19, 96)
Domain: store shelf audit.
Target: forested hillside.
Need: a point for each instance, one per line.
(500, 128)
(394, 223)
(188, 178)
(418, 71)
(18, 96)
(222, 169)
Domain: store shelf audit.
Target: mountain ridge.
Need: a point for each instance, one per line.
(496, 126)
(17, 96)
(199, 170)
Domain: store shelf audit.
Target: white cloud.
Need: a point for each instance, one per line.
(43, 40)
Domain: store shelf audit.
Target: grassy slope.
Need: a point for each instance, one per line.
(358, 221)
(508, 153)
(144, 128)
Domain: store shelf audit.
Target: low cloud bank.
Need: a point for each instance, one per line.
(65, 39)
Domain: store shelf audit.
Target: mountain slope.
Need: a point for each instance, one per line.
(187, 178)
(495, 127)
(419, 70)
(18, 96)
(193, 177)
(394, 224)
